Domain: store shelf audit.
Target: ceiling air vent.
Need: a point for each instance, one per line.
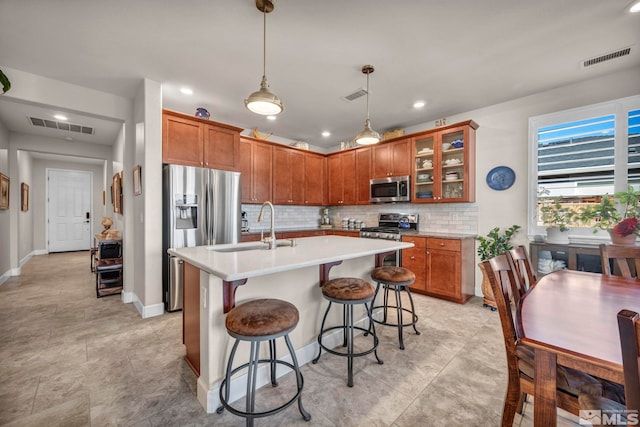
(52, 124)
(606, 57)
(355, 95)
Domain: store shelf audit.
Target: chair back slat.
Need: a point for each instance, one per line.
(629, 329)
(523, 268)
(625, 259)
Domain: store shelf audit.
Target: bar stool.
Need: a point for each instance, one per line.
(348, 292)
(396, 279)
(258, 321)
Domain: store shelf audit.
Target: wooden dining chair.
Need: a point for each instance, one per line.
(629, 329)
(520, 358)
(625, 259)
(522, 264)
(628, 398)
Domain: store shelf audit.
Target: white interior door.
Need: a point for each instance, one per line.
(69, 210)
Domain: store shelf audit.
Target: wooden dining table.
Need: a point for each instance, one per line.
(570, 319)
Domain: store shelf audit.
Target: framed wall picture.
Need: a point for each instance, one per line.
(4, 192)
(24, 197)
(137, 180)
(117, 193)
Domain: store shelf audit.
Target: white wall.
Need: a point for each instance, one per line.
(5, 225)
(25, 219)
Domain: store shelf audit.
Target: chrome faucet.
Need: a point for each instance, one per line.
(270, 240)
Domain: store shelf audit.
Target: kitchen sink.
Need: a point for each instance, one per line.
(257, 246)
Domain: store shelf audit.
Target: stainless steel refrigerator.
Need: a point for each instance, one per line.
(200, 207)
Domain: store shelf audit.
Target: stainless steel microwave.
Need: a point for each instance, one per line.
(391, 189)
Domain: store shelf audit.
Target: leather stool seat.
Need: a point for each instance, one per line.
(262, 318)
(260, 321)
(348, 291)
(391, 274)
(395, 279)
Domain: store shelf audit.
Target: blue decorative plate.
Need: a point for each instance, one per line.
(501, 178)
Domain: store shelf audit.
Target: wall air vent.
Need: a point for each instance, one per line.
(52, 124)
(355, 95)
(606, 57)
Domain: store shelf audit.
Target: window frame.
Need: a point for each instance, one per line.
(620, 108)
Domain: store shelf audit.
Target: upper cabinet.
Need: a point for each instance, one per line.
(363, 176)
(444, 164)
(341, 182)
(256, 170)
(298, 177)
(288, 176)
(314, 179)
(391, 158)
(190, 141)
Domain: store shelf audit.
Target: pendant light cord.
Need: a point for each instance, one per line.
(368, 96)
(264, 40)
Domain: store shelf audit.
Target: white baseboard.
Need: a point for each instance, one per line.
(127, 297)
(210, 398)
(41, 252)
(148, 310)
(26, 258)
(5, 276)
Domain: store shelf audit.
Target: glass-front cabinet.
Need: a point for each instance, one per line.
(444, 162)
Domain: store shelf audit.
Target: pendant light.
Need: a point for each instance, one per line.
(367, 136)
(264, 101)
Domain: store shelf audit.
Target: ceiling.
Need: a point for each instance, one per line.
(457, 56)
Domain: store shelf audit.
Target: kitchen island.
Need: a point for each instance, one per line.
(216, 277)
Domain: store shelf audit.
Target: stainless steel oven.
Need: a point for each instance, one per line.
(390, 227)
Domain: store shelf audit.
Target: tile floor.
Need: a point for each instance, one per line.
(70, 359)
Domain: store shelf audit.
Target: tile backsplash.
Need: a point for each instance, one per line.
(442, 218)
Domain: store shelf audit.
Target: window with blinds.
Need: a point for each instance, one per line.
(579, 155)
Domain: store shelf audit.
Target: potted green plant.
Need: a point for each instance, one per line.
(4, 81)
(558, 218)
(617, 215)
(493, 244)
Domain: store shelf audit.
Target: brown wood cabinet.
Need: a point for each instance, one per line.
(443, 267)
(314, 179)
(391, 158)
(363, 176)
(256, 170)
(341, 174)
(191, 141)
(288, 176)
(445, 175)
(191, 316)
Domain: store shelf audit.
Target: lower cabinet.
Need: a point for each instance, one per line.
(443, 267)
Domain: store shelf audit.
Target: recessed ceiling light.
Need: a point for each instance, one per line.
(68, 138)
(186, 91)
(326, 133)
(271, 117)
(60, 117)
(419, 104)
(635, 7)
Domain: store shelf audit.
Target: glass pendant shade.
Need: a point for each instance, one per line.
(367, 136)
(263, 101)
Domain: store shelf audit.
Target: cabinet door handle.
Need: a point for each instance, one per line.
(413, 257)
(441, 244)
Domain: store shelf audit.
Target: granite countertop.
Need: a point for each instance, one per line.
(308, 251)
(440, 235)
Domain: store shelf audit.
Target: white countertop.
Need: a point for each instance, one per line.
(309, 251)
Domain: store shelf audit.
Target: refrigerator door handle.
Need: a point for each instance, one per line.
(174, 299)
